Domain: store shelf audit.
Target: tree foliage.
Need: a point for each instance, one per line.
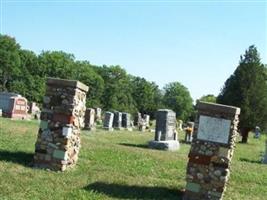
(110, 87)
(209, 98)
(9, 60)
(247, 89)
(147, 95)
(177, 97)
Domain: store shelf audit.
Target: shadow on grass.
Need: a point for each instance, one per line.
(250, 161)
(144, 146)
(18, 157)
(134, 192)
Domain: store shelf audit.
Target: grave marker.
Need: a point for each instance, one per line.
(98, 112)
(165, 135)
(108, 121)
(126, 121)
(89, 119)
(211, 151)
(117, 120)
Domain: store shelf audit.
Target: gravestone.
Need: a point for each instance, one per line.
(211, 151)
(13, 105)
(89, 119)
(265, 156)
(98, 112)
(180, 125)
(34, 110)
(108, 121)
(147, 120)
(117, 120)
(58, 143)
(165, 135)
(126, 121)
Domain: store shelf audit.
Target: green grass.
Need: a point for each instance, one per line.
(116, 165)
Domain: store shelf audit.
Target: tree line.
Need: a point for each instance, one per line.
(110, 87)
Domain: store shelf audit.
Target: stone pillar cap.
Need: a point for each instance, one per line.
(68, 83)
(201, 105)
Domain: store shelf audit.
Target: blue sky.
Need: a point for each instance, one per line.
(197, 43)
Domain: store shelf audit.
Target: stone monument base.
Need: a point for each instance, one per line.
(170, 145)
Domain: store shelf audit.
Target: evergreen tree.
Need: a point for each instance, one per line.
(247, 89)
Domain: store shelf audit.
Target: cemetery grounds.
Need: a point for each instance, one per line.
(117, 165)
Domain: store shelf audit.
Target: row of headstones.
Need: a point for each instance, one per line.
(117, 120)
(114, 120)
(212, 148)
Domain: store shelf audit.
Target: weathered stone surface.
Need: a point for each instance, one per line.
(58, 141)
(67, 83)
(89, 119)
(193, 187)
(165, 125)
(211, 151)
(98, 115)
(165, 134)
(147, 120)
(126, 120)
(170, 145)
(117, 120)
(108, 121)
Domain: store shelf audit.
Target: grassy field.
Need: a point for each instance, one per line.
(116, 165)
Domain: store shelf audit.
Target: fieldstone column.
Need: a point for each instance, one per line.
(211, 151)
(62, 117)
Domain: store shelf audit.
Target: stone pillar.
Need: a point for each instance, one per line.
(165, 135)
(211, 151)
(126, 121)
(117, 120)
(62, 117)
(108, 121)
(89, 119)
(265, 157)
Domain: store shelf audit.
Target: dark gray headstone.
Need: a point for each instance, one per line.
(117, 120)
(165, 125)
(126, 120)
(108, 121)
